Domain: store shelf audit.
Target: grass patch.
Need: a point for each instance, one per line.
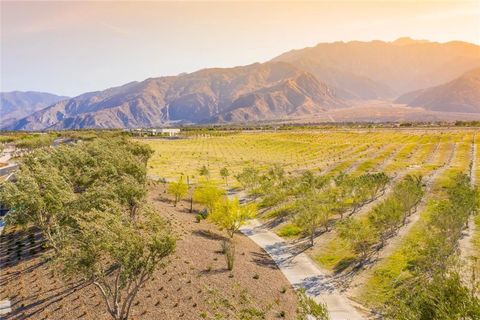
(335, 255)
(289, 230)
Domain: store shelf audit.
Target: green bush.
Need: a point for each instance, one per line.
(289, 230)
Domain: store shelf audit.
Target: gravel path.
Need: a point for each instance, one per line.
(302, 272)
(465, 244)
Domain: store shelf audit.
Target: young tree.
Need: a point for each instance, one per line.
(248, 178)
(178, 189)
(224, 173)
(116, 254)
(359, 234)
(204, 172)
(377, 182)
(276, 174)
(312, 214)
(386, 218)
(309, 182)
(208, 194)
(409, 192)
(309, 309)
(336, 197)
(229, 215)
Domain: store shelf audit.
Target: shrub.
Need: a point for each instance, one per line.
(289, 230)
(309, 309)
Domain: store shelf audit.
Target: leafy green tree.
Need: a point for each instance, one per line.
(248, 178)
(336, 197)
(431, 287)
(41, 196)
(224, 173)
(409, 192)
(229, 215)
(204, 172)
(312, 214)
(359, 234)
(178, 190)
(116, 254)
(208, 194)
(309, 182)
(276, 173)
(386, 217)
(365, 188)
(442, 297)
(87, 198)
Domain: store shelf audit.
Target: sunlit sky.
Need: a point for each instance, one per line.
(72, 47)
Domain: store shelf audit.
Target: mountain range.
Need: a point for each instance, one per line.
(16, 105)
(461, 94)
(301, 83)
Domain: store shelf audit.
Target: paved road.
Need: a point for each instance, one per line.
(302, 272)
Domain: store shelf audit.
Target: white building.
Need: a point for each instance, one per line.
(170, 131)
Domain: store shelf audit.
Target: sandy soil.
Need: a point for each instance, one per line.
(195, 285)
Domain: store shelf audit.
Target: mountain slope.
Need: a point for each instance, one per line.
(380, 69)
(459, 95)
(18, 104)
(263, 91)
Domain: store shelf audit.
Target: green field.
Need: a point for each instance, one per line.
(438, 155)
(324, 150)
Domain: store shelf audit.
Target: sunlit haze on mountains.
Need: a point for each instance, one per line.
(71, 48)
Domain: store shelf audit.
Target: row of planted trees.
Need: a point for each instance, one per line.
(316, 198)
(88, 200)
(227, 213)
(431, 285)
(368, 234)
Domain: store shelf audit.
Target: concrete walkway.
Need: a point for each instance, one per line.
(302, 272)
(5, 307)
(5, 156)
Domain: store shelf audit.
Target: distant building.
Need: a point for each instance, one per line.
(171, 132)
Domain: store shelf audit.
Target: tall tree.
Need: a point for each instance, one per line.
(116, 254)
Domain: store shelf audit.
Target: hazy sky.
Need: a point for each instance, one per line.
(73, 47)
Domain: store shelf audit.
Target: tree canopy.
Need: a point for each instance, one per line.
(88, 200)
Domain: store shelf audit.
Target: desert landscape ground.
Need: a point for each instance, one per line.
(240, 160)
(340, 212)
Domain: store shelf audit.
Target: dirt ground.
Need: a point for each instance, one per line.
(194, 285)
